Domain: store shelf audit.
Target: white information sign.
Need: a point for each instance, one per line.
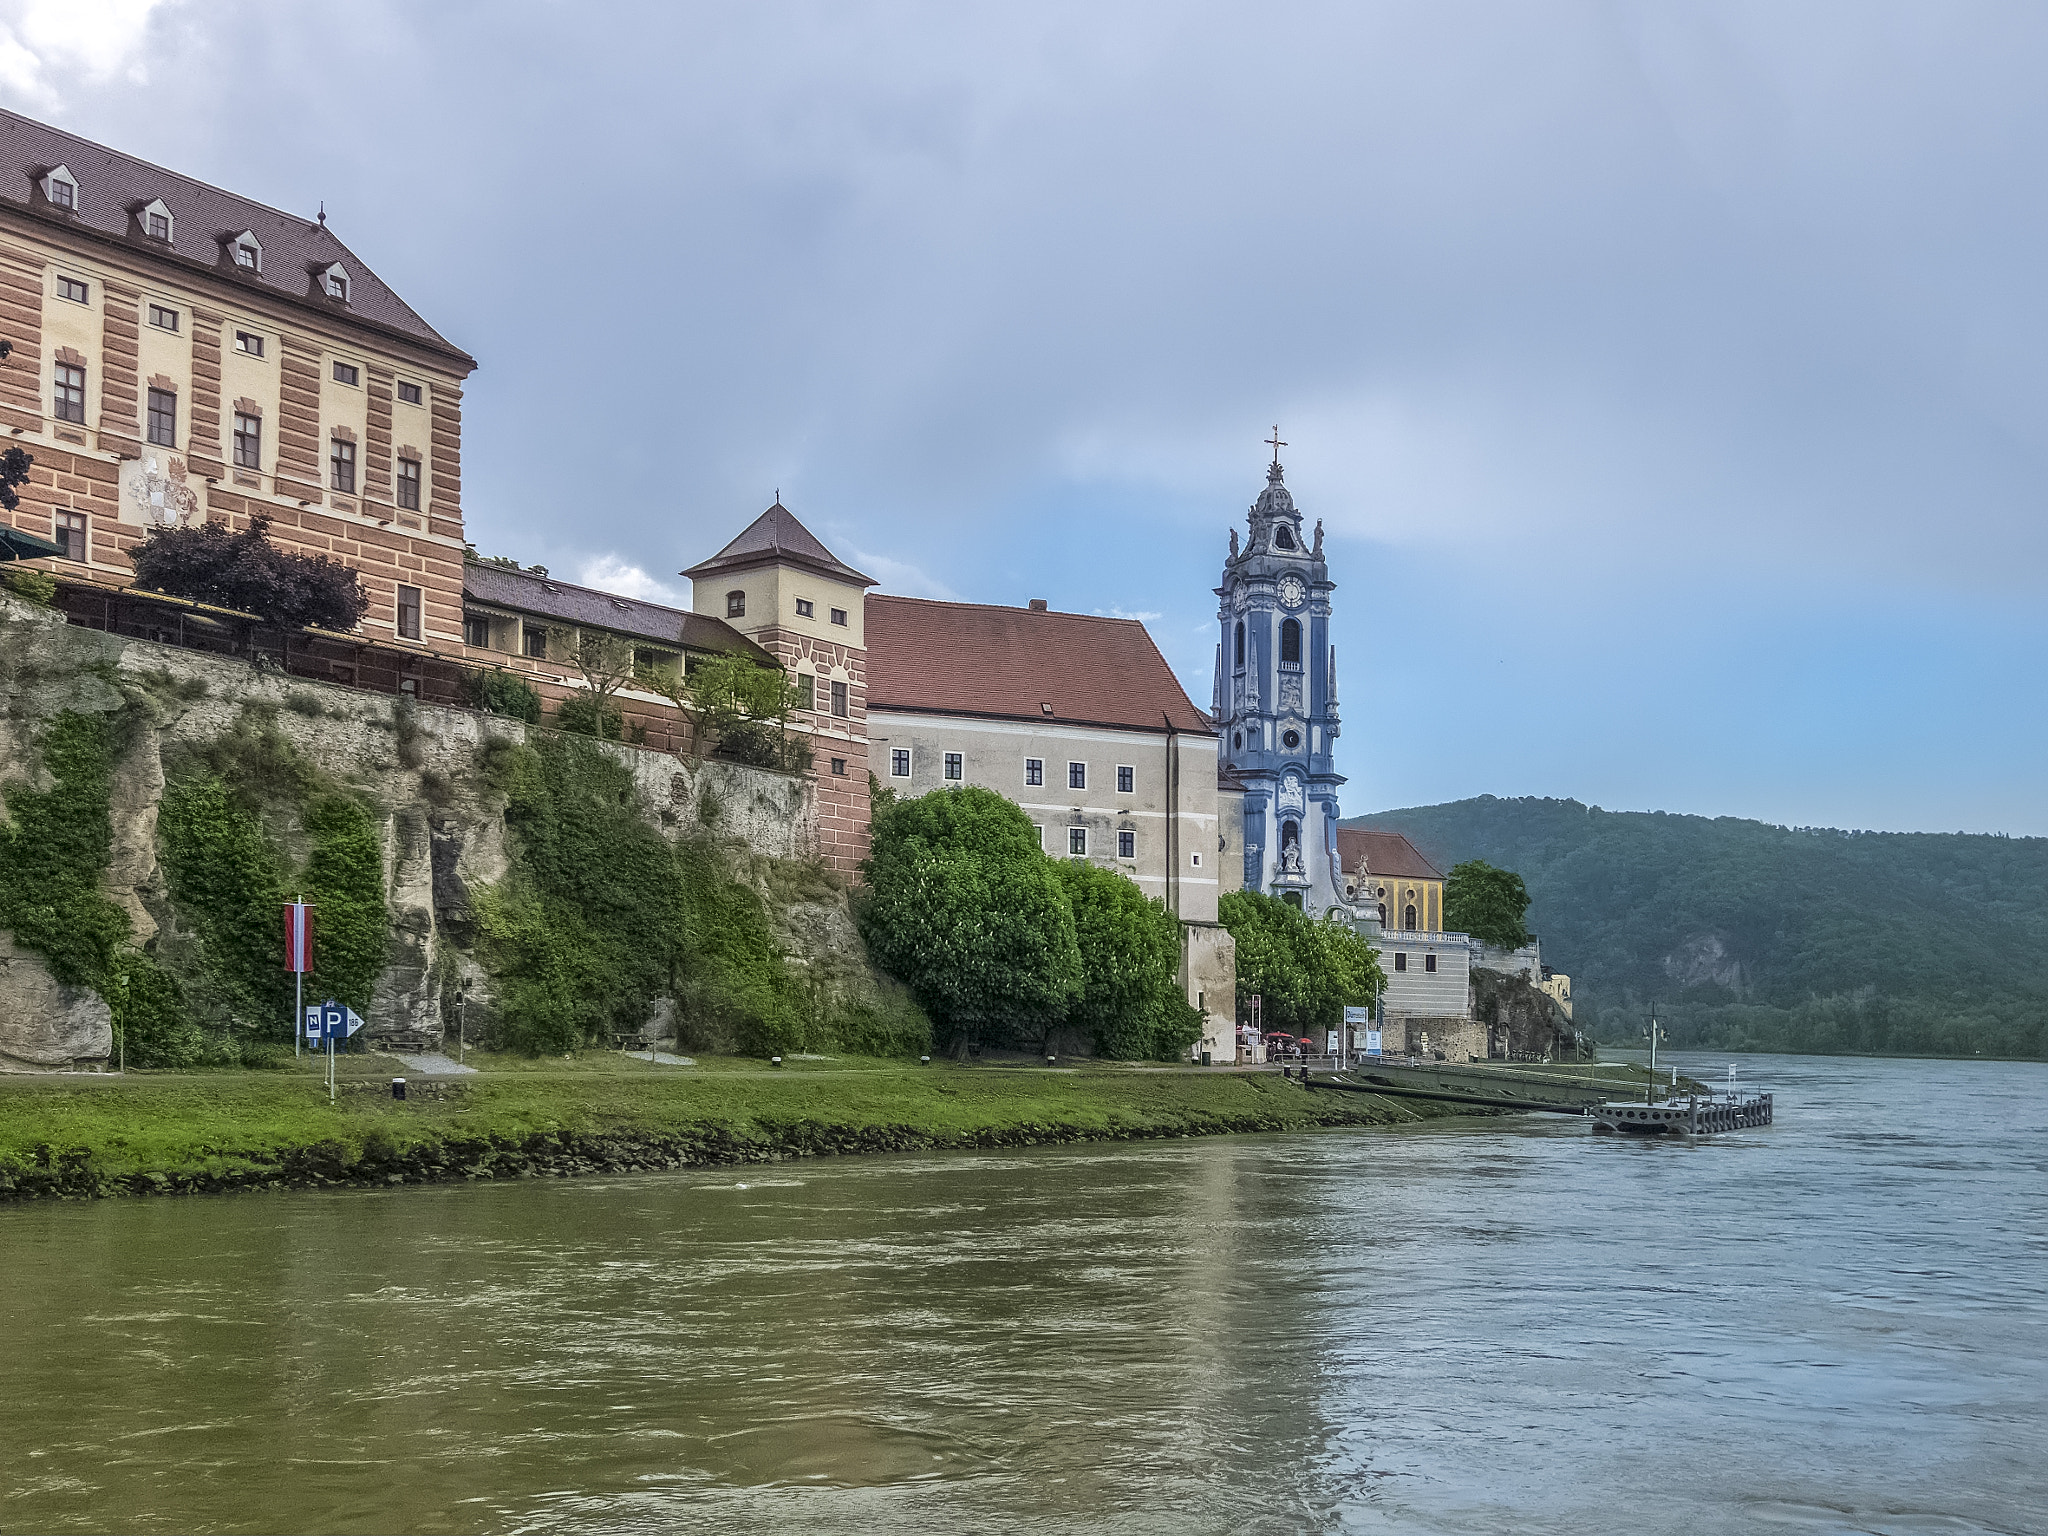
(1372, 1042)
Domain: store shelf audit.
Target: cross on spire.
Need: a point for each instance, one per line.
(1277, 443)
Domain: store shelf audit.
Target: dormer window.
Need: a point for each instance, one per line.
(247, 251)
(334, 283)
(61, 188)
(156, 220)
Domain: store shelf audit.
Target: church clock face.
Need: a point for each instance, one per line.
(1291, 591)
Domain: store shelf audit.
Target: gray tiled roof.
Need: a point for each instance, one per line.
(531, 592)
(777, 535)
(113, 187)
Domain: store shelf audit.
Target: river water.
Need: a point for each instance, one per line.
(1839, 1323)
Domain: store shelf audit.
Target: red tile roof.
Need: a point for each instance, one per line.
(778, 537)
(1385, 853)
(1012, 663)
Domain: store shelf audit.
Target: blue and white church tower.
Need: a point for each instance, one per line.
(1276, 701)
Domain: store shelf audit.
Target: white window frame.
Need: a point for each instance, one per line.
(334, 282)
(955, 767)
(1031, 763)
(1072, 834)
(1194, 861)
(1071, 784)
(54, 176)
(900, 755)
(1125, 838)
(246, 241)
(162, 210)
(1125, 771)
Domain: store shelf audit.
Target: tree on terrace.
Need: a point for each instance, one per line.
(1306, 971)
(1487, 903)
(209, 564)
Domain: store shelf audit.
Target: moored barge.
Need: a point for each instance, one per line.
(1695, 1117)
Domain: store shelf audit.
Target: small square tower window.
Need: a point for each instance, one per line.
(347, 373)
(839, 617)
(839, 767)
(805, 609)
(735, 605)
(408, 394)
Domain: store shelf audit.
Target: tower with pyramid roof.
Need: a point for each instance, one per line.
(778, 585)
(1276, 701)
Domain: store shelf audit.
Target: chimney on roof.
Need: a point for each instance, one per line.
(1038, 605)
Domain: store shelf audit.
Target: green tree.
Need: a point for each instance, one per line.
(1131, 1004)
(738, 706)
(1487, 903)
(1307, 972)
(964, 909)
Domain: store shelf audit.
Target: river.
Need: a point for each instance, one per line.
(1839, 1323)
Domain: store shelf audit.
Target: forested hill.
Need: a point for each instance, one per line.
(1771, 938)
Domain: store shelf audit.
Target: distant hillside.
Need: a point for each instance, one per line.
(1749, 936)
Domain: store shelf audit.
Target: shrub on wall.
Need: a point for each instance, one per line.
(588, 716)
(501, 693)
(26, 581)
(229, 876)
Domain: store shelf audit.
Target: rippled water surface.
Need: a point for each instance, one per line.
(1836, 1324)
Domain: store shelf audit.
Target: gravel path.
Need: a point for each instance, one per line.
(432, 1064)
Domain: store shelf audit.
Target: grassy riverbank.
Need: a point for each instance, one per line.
(197, 1132)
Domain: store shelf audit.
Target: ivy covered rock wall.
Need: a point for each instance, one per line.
(158, 806)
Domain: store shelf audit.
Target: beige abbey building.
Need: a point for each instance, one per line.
(183, 354)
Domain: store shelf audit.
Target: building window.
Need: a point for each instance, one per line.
(899, 763)
(735, 605)
(476, 631)
(839, 700)
(1290, 643)
(1077, 775)
(956, 766)
(63, 193)
(347, 373)
(248, 441)
(163, 417)
(342, 460)
(1041, 835)
(1077, 842)
(839, 767)
(1400, 961)
(70, 532)
(1429, 962)
(1127, 845)
(162, 318)
(1194, 861)
(409, 484)
(1383, 914)
(1034, 770)
(805, 608)
(248, 256)
(337, 286)
(806, 691)
(1126, 779)
(159, 226)
(839, 617)
(408, 394)
(534, 641)
(69, 402)
(408, 613)
(1408, 918)
(249, 343)
(1237, 646)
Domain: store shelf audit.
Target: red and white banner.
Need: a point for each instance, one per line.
(298, 936)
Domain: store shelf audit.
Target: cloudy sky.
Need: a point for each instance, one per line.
(1669, 377)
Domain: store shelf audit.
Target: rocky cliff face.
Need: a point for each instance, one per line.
(442, 827)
